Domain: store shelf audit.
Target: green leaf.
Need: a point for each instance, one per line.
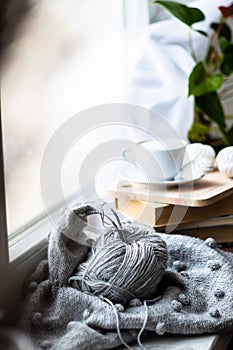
(196, 77)
(201, 83)
(198, 132)
(187, 15)
(210, 84)
(201, 32)
(211, 106)
(225, 31)
(227, 64)
(230, 134)
(223, 43)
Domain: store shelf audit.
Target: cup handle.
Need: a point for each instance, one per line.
(126, 155)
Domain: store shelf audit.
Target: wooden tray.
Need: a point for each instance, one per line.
(209, 189)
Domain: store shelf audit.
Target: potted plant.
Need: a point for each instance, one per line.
(209, 76)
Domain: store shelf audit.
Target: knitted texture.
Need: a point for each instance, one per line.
(195, 294)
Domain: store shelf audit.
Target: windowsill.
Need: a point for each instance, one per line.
(201, 342)
(27, 247)
(29, 240)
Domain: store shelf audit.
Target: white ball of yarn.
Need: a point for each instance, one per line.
(224, 161)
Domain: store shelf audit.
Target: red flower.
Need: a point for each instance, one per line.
(227, 12)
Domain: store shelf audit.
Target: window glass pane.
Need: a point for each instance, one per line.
(69, 55)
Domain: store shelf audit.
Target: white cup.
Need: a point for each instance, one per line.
(160, 160)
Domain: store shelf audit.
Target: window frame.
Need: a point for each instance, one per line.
(4, 252)
(14, 272)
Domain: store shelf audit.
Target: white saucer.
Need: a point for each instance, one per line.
(133, 175)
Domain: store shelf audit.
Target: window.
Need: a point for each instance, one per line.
(68, 56)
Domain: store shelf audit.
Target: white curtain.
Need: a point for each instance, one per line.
(159, 77)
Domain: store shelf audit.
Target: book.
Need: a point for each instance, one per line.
(219, 221)
(219, 227)
(162, 214)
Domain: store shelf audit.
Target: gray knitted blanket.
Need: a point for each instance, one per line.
(196, 296)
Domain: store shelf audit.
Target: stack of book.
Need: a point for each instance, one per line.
(204, 211)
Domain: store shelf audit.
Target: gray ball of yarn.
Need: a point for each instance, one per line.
(122, 271)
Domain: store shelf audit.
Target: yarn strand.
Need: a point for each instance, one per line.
(104, 216)
(117, 323)
(143, 326)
